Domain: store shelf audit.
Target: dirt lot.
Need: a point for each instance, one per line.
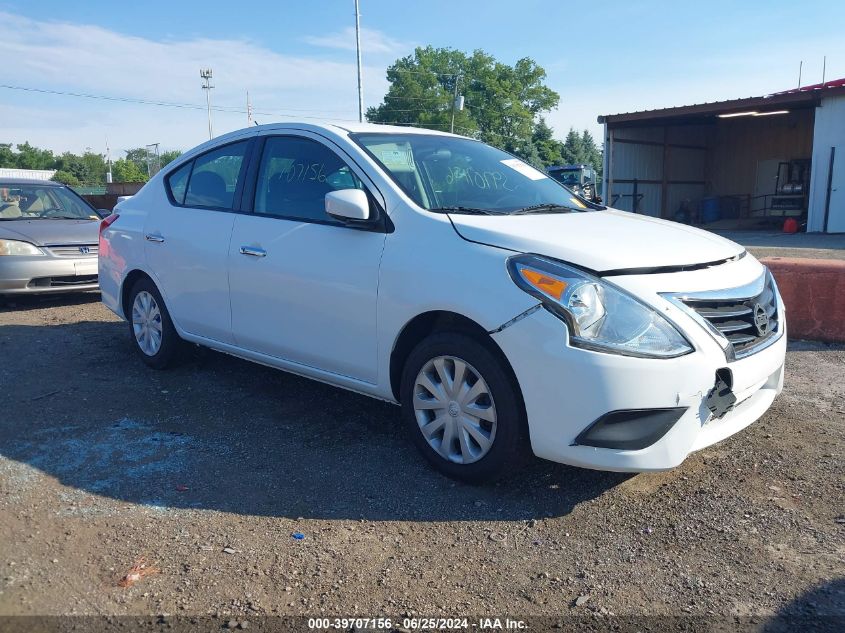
(207, 471)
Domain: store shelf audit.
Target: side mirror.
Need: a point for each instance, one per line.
(348, 205)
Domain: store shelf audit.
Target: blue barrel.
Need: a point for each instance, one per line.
(710, 210)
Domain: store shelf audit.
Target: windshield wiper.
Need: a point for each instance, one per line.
(544, 207)
(52, 217)
(467, 210)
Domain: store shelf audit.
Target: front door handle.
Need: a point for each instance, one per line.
(150, 237)
(253, 251)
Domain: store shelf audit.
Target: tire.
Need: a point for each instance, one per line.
(465, 459)
(166, 352)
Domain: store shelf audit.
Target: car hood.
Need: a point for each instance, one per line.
(602, 241)
(44, 232)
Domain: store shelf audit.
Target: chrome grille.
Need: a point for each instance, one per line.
(745, 323)
(74, 250)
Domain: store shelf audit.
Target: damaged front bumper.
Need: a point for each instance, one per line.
(567, 391)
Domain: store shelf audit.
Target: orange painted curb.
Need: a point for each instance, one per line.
(813, 292)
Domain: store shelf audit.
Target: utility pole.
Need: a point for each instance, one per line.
(800, 69)
(248, 110)
(457, 104)
(358, 48)
(205, 74)
(108, 162)
(152, 171)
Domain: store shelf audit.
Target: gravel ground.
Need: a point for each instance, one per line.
(207, 471)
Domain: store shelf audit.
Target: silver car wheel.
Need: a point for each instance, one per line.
(455, 409)
(146, 323)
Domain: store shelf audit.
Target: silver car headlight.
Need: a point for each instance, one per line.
(600, 315)
(16, 247)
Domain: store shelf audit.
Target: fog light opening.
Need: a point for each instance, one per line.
(630, 429)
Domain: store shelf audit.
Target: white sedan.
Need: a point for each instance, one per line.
(500, 309)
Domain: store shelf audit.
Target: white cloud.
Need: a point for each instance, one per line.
(372, 41)
(86, 58)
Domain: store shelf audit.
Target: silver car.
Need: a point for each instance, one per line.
(48, 238)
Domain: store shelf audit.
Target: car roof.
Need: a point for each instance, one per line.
(326, 127)
(334, 127)
(7, 182)
(353, 127)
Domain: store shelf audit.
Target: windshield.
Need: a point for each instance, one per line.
(567, 177)
(42, 202)
(458, 175)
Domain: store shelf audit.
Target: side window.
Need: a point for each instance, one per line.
(177, 182)
(296, 174)
(215, 177)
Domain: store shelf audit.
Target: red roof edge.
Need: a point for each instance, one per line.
(833, 83)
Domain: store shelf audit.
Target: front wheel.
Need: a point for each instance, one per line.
(462, 408)
(151, 330)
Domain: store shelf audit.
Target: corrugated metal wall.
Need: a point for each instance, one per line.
(740, 144)
(829, 132)
(692, 161)
(640, 153)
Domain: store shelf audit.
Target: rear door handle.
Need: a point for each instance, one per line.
(253, 251)
(153, 237)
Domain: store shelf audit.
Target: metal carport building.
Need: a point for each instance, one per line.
(744, 163)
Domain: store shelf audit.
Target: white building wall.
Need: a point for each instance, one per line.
(829, 131)
(32, 174)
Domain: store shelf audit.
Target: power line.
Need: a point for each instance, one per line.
(172, 104)
(421, 72)
(197, 106)
(386, 97)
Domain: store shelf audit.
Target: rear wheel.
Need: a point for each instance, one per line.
(462, 408)
(151, 330)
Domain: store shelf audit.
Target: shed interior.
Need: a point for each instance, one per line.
(742, 164)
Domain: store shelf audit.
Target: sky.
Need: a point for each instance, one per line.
(297, 59)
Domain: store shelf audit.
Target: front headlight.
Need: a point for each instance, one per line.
(15, 247)
(600, 315)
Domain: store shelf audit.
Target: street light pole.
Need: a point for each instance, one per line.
(457, 103)
(358, 49)
(454, 105)
(206, 74)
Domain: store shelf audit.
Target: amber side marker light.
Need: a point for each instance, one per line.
(544, 283)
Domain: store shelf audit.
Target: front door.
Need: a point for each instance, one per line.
(304, 286)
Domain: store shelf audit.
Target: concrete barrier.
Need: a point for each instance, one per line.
(813, 291)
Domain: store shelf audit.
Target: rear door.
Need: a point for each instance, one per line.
(304, 286)
(187, 240)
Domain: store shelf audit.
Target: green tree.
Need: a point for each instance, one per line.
(572, 150)
(592, 152)
(88, 169)
(547, 146)
(581, 148)
(503, 102)
(124, 170)
(30, 157)
(140, 158)
(8, 158)
(169, 156)
(66, 178)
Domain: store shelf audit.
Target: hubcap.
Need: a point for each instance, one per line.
(455, 410)
(146, 323)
